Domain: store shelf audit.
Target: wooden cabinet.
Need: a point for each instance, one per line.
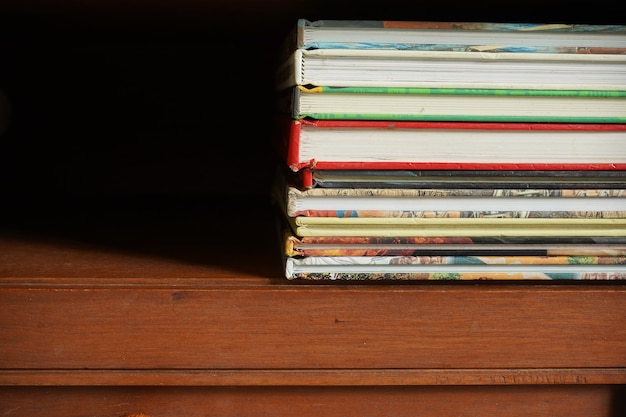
(139, 267)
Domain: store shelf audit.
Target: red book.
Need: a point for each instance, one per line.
(409, 145)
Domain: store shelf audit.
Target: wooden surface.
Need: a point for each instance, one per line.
(322, 328)
(161, 309)
(285, 401)
(158, 314)
(107, 306)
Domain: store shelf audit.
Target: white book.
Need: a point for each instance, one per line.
(379, 144)
(452, 69)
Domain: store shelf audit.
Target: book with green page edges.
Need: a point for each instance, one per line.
(455, 104)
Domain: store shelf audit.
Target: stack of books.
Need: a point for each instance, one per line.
(452, 150)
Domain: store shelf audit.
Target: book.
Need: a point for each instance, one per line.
(471, 227)
(382, 268)
(459, 36)
(452, 202)
(366, 245)
(461, 203)
(294, 246)
(448, 202)
(452, 69)
(412, 145)
(454, 104)
(522, 179)
(576, 260)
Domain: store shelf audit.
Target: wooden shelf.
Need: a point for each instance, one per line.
(176, 279)
(139, 266)
(150, 303)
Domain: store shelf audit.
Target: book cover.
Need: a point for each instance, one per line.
(450, 202)
(295, 246)
(383, 206)
(455, 273)
(406, 145)
(521, 179)
(447, 69)
(454, 104)
(498, 260)
(459, 36)
(472, 227)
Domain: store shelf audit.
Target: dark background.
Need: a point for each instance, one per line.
(133, 98)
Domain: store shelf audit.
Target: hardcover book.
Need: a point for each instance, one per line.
(522, 179)
(471, 227)
(456, 36)
(454, 104)
(402, 268)
(441, 203)
(445, 246)
(406, 145)
(462, 260)
(452, 69)
(453, 202)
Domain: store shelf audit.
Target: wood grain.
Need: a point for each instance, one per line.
(444, 401)
(313, 327)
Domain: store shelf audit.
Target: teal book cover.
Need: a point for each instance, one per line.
(457, 36)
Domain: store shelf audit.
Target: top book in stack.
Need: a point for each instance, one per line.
(454, 55)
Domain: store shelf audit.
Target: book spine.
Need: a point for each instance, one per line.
(289, 73)
(294, 109)
(293, 147)
(306, 177)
